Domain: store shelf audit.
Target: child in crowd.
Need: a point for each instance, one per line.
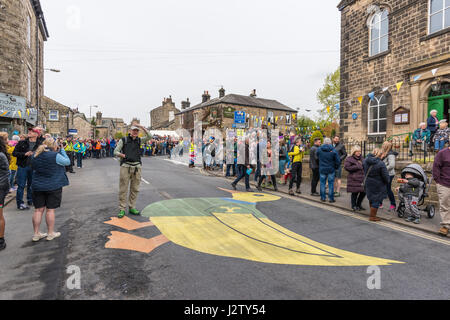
(411, 191)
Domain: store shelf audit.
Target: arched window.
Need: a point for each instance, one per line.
(439, 15)
(379, 32)
(377, 115)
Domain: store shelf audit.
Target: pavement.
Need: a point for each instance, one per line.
(343, 202)
(178, 271)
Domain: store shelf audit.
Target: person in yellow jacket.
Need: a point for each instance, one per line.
(68, 148)
(13, 162)
(296, 155)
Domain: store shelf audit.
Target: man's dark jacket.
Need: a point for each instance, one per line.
(22, 148)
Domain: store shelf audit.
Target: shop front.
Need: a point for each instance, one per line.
(15, 116)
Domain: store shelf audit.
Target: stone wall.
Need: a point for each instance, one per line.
(83, 126)
(16, 56)
(409, 44)
(161, 115)
(204, 114)
(65, 120)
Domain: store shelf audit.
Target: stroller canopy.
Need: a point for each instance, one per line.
(416, 170)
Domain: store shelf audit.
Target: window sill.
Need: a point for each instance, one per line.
(379, 55)
(434, 35)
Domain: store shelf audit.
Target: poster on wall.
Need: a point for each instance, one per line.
(15, 107)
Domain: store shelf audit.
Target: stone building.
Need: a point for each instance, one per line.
(23, 31)
(163, 117)
(106, 128)
(220, 113)
(395, 55)
(57, 118)
(83, 126)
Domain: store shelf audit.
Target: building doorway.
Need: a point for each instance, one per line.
(440, 101)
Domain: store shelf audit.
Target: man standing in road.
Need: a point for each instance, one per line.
(24, 152)
(128, 150)
(441, 174)
(342, 153)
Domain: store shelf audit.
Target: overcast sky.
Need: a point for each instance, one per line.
(126, 56)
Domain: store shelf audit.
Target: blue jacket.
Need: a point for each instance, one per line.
(48, 175)
(431, 124)
(329, 160)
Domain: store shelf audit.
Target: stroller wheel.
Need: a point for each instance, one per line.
(401, 210)
(431, 211)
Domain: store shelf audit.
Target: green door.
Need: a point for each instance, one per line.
(438, 105)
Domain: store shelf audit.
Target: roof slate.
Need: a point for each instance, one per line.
(241, 100)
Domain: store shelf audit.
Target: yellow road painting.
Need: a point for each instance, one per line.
(233, 227)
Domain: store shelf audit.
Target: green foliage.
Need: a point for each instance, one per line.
(304, 121)
(118, 135)
(329, 96)
(316, 134)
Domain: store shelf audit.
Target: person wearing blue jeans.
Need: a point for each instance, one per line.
(323, 183)
(24, 151)
(24, 178)
(329, 162)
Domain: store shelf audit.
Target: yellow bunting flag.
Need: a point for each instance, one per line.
(328, 109)
(399, 85)
(28, 111)
(276, 119)
(360, 99)
(293, 116)
(20, 114)
(4, 113)
(262, 119)
(268, 123)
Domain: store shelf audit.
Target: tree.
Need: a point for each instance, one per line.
(119, 135)
(329, 96)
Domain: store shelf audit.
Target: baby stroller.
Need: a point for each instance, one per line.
(418, 172)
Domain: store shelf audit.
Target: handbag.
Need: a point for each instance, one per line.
(363, 184)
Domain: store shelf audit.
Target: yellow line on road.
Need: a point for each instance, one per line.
(364, 218)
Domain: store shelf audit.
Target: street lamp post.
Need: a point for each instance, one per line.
(37, 91)
(90, 117)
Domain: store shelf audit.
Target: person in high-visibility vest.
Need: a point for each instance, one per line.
(68, 148)
(191, 154)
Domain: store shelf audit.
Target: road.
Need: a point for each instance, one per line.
(289, 249)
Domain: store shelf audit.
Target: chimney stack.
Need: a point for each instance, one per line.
(185, 104)
(205, 97)
(253, 94)
(222, 93)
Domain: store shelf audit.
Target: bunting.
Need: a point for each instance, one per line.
(434, 71)
(417, 77)
(360, 99)
(337, 106)
(328, 109)
(372, 95)
(399, 85)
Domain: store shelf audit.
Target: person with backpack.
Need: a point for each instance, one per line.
(128, 149)
(296, 154)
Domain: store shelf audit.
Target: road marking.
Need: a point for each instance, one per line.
(386, 224)
(221, 227)
(165, 195)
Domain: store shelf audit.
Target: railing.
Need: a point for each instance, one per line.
(407, 151)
